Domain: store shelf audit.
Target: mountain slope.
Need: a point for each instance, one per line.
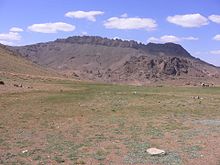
(12, 63)
(102, 59)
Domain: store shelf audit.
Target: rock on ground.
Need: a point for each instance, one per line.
(155, 151)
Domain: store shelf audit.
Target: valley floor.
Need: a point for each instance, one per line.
(55, 121)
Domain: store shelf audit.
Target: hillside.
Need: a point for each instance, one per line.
(109, 60)
(12, 63)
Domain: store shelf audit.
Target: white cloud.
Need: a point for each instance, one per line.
(51, 27)
(153, 39)
(190, 38)
(116, 38)
(217, 37)
(125, 15)
(215, 18)
(170, 38)
(188, 20)
(216, 52)
(6, 42)
(16, 29)
(84, 33)
(89, 15)
(11, 36)
(123, 39)
(8, 38)
(130, 23)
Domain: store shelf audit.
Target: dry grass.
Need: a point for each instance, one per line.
(109, 124)
(12, 63)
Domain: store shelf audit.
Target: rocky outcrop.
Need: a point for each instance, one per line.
(96, 40)
(145, 67)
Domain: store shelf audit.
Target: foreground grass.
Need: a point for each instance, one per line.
(109, 124)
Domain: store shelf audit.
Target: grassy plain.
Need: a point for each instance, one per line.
(70, 122)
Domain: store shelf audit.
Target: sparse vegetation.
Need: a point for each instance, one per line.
(102, 123)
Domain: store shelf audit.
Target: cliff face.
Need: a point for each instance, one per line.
(109, 60)
(151, 48)
(100, 41)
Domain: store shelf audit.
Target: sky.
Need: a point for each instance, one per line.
(195, 24)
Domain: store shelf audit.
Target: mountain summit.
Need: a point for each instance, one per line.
(152, 48)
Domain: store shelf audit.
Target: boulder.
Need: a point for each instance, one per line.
(155, 152)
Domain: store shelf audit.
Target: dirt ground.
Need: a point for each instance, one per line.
(56, 121)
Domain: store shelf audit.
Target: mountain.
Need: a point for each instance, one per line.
(115, 60)
(11, 62)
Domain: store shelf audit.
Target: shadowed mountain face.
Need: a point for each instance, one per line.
(109, 60)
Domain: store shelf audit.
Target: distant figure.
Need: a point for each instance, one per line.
(204, 85)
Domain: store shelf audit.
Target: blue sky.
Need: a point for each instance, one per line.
(193, 24)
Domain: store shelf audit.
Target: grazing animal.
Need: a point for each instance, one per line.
(204, 85)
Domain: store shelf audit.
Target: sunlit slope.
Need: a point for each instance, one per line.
(11, 63)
